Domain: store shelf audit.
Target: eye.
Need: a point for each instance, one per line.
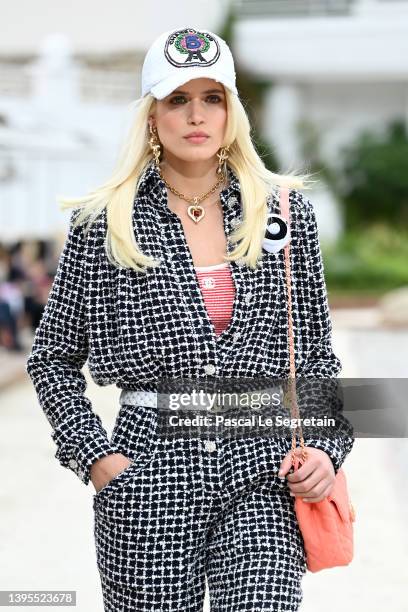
(215, 98)
(180, 99)
(175, 99)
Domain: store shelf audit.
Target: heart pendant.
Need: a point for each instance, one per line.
(196, 212)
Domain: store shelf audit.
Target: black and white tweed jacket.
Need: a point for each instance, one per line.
(135, 328)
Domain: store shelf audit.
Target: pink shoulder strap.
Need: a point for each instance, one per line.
(284, 203)
(285, 212)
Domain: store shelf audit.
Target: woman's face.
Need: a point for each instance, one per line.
(197, 106)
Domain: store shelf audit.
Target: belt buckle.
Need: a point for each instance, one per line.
(216, 407)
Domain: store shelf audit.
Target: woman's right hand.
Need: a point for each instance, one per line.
(106, 468)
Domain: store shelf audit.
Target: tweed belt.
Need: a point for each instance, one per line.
(153, 399)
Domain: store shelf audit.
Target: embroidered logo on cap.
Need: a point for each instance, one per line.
(189, 47)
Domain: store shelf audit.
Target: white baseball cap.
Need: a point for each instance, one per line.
(177, 56)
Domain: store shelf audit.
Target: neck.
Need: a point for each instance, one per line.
(191, 177)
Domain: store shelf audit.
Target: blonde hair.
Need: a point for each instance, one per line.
(118, 194)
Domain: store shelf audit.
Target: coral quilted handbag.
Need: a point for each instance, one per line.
(327, 525)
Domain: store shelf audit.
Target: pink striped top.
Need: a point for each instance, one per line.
(218, 290)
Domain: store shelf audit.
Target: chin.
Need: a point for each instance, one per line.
(197, 154)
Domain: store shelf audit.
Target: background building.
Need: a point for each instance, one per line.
(66, 92)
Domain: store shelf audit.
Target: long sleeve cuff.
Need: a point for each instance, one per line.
(80, 457)
(322, 398)
(337, 448)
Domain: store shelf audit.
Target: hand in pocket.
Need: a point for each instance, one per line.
(105, 469)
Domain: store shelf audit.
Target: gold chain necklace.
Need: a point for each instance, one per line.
(195, 211)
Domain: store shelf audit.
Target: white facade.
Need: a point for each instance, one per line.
(62, 119)
(338, 64)
(100, 28)
(342, 71)
(52, 144)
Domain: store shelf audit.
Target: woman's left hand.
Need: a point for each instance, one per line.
(314, 479)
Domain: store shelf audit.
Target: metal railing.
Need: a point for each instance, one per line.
(95, 85)
(293, 8)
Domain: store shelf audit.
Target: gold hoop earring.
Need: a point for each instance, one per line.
(222, 159)
(154, 143)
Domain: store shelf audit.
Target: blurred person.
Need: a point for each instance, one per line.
(11, 305)
(189, 196)
(38, 285)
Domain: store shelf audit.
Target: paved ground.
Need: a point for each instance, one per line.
(45, 509)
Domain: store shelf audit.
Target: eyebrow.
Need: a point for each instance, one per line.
(208, 91)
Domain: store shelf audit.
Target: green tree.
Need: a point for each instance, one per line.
(373, 178)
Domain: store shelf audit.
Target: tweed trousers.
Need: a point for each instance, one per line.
(187, 509)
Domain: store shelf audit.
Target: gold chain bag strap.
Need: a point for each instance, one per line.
(326, 526)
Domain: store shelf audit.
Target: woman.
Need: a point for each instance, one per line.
(132, 295)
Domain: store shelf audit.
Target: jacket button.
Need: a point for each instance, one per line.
(248, 297)
(209, 368)
(210, 446)
(72, 464)
(236, 336)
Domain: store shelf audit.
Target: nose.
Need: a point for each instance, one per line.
(195, 112)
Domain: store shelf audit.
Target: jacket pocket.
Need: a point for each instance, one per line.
(135, 435)
(117, 482)
(149, 528)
